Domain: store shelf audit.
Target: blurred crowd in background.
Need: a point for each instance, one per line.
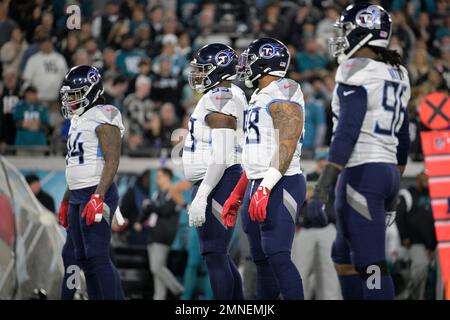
(143, 49)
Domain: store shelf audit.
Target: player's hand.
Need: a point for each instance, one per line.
(230, 209)
(63, 214)
(93, 212)
(197, 210)
(315, 213)
(258, 204)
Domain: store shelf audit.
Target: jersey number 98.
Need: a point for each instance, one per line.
(392, 105)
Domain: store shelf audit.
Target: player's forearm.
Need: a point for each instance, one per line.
(288, 120)
(222, 144)
(110, 142)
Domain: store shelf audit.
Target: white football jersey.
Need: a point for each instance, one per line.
(388, 93)
(84, 159)
(260, 137)
(197, 146)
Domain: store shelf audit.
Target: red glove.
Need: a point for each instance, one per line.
(258, 204)
(93, 210)
(62, 214)
(234, 201)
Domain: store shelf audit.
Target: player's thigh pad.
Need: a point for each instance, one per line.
(213, 235)
(362, 212)
(285, 201)
(251, 228)
(97, 236)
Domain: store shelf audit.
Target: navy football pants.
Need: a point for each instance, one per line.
(89, 247)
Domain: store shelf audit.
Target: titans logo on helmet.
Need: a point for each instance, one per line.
(93, 76)
(269, 50)
(369, 18)
(224, 57)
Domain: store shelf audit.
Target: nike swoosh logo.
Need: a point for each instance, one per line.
(346, 93)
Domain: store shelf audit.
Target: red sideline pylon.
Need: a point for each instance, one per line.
(435, 114)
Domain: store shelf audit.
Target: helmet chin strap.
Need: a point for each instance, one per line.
(344, 57)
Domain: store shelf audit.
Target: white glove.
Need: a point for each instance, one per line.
(197, 210)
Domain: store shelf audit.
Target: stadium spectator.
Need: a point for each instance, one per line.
(109, 61)
(31, 118)
(169, 51)
(166, 85)
(419, 67)
(325, 27)
(139, 110)
(102, 24)
(69, 46)
(156, 15)
(145, 68)
(184, 46)
(169, 123)
(403, 32)
(45, 71)
(162, 212)
(8, 101)
(272, 25)
(44, 198)
(138, 18)
(416, 227)
(95, 55)
(131, 207)
(11, 52)
(144, 39)
(7, 25)
(115, 88)
(81, 56)
(311, 61)
(315, 125)
(128, 56)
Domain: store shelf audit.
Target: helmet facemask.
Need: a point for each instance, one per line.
(243, 69)
(199, 76)
(75, 101)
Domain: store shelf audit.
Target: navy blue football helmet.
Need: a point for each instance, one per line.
(81, 87)
(212, 64)
(362, 24)
(263, 56)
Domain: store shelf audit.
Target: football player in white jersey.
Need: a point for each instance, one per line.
(88, 206)
(274, 127)
(369, 149)
(211, 157)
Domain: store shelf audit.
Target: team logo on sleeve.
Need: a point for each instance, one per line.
(224, 57)
(269, 50)
(369, 18)
(93, 76)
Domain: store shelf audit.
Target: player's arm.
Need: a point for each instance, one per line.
(110, 142)
(287, 118)
(353, 107)
(222, 144)
(64, 209)
(403, 143)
